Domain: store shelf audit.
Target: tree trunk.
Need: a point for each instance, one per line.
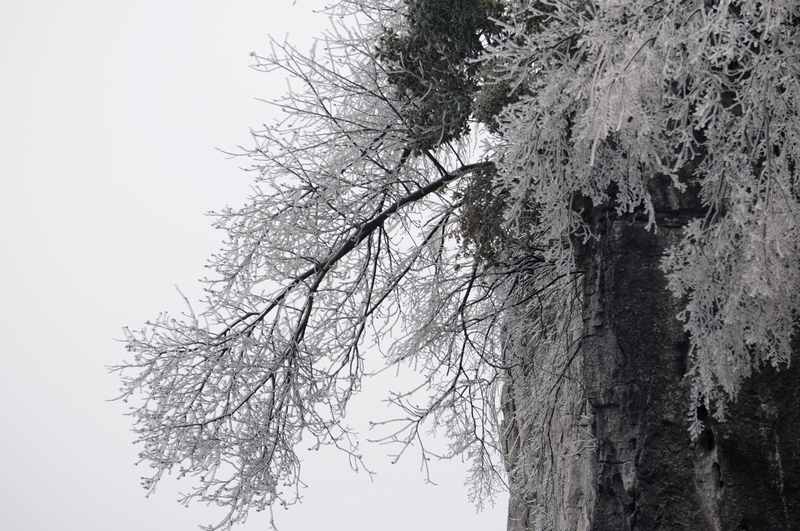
(644, 472)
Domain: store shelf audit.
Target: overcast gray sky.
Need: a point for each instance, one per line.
(109, 118)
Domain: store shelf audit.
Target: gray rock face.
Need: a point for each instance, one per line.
(644, 472)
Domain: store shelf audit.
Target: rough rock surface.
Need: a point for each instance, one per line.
(644, 473)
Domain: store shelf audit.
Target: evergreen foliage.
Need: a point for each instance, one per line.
(432, 62)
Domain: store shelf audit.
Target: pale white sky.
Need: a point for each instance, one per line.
(110, 112)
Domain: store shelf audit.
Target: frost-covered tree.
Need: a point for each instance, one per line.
(387, 219)
(705, 93)
(675, 113)
(347, 246)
